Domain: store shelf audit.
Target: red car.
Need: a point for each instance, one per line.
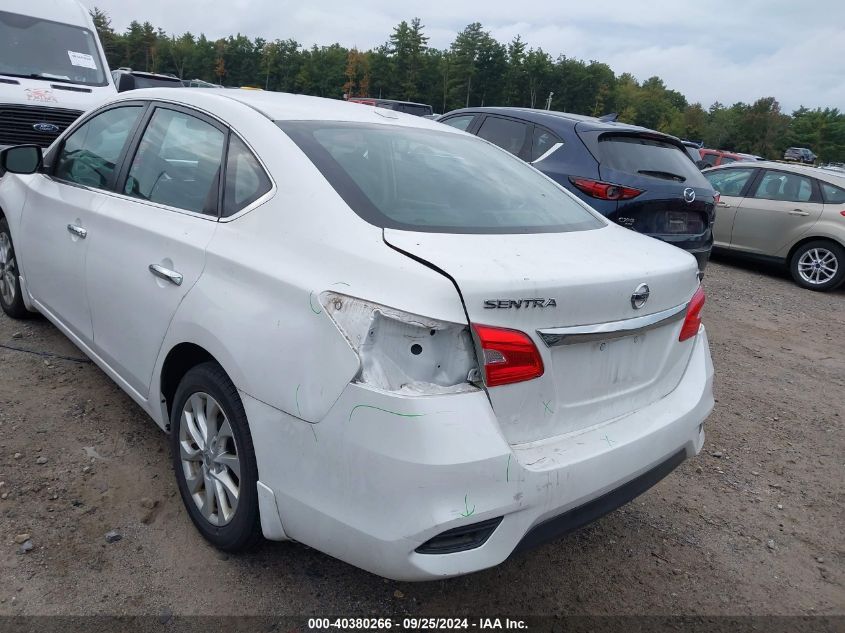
(716, 157)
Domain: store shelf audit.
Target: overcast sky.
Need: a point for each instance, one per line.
(710, 50)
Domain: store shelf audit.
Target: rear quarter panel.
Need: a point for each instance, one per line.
(257, 308)
(830, 226)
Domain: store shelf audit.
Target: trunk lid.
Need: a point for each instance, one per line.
(591, 275)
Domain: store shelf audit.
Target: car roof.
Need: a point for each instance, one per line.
(64, 11)
(806, 170)
(551, 118)
(283, 106)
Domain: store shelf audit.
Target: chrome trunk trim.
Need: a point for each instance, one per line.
(574, 334)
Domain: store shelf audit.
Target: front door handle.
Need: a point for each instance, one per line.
(78, 231)
(799, 212)
(165, 273)
(724, 205)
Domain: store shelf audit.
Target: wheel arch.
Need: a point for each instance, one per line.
(807, 240)
(180, 358)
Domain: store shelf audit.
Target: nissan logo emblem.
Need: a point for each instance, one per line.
(640, 296)
(689, 195)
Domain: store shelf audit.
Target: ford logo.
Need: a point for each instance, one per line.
(45, 127)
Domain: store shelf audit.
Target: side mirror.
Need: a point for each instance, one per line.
(21, 159)
(701, 164)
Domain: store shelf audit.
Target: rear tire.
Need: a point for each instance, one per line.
(214, 459)
(11, 297)
(818, 265)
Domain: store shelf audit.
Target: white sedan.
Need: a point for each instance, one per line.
(365, 331)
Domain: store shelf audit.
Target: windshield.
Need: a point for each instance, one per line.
(40, 49)
(424, 180)
(647, 157)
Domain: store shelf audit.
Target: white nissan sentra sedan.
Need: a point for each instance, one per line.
(365, 331)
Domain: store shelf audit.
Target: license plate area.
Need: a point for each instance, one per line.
(606, 368)
(683, 222)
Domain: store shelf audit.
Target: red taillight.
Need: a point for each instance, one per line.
(693, 319)
(605, 190)
(842, 213)
(716, 197)
(509, 355)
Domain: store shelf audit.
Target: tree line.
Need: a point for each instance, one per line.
(475, 70)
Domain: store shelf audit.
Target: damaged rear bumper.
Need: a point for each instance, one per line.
(383, 475)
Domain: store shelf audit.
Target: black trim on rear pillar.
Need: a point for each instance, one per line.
(578, 517)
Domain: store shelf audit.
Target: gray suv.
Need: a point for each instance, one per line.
(801, 154)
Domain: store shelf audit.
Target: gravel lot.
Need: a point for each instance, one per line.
(754, 525)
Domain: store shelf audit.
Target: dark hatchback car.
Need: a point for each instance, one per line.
(639, 178)
(408, 107)
(128, 79)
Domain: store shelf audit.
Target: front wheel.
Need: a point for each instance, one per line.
(11, 298)
(818, 265)
(214, 460)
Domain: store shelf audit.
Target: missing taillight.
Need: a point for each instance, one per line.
(509, 355)
(692, 321)
(403, 352)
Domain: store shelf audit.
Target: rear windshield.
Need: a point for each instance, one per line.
(410, 108)
(156, 82)
(425, 180)
(52, 51)
(647, 157)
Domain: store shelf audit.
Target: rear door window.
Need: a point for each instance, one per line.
(646, 157)
(177, 162)
(506, 133)
(783, 186)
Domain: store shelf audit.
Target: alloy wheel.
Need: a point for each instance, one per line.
(210, 461)
(8, 270)
(818, 266)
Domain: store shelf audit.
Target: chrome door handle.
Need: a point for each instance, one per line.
(724, 205)
(165, 273)
(78, 231)
(799, 212)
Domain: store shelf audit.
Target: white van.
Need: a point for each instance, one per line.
(52, 69)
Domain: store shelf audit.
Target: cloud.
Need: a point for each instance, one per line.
(720, 50)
